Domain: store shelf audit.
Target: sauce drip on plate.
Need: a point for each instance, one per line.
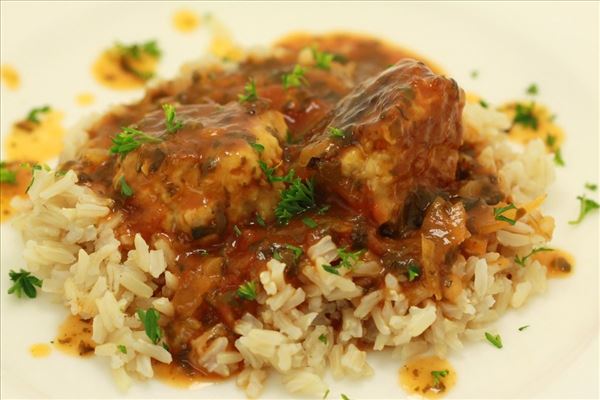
(115, 71)
(37, 142)
(10, 77)
(75, 337)
(179, 376)
(8, 190)
(186, 21)
(85, 99)
(559, 263)
(40, 350)
(430, 376)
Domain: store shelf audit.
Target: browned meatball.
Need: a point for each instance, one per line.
(394, 133)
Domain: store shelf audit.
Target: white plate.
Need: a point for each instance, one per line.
(512, 45)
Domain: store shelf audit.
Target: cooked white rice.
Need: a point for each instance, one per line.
(70, 243)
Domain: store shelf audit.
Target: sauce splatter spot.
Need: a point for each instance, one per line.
(429, 376)
(85, 99)
(75, 337)
(36, 142)
(186, 21)
(40, 350)
(10, 77)
(111, 69)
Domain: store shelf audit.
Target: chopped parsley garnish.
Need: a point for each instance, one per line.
(311, 223)
(332, 269)
(474, 74)
(323, 209)
(483, 103)
(437, 375)
(521, 260)
(525, 116)
(344, 397)
(523, 327)
(173, 124)
(336, 132)
(585, 207)
(323, 338)
(270, 173)
(532, 89)
(550, 140)
(247, 290)
(495, 340)
(249, 92)
(237, 231)
(24, 282)
(259, 148)
(297, 251)
(6, 175)
(323, 59)
(296, 199)
(498, 214)
(149, 319)
(558, 160)
(122, 348)
(591, 186)
(130, 139)
(33, 115)
(35, 167)
(413, 271)
(126, 190)
(349, 258)
(326, 394)
(260, 220)
(135, 50)
(295, 78)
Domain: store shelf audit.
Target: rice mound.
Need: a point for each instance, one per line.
(70, 243)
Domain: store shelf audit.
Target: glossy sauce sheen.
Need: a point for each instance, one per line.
(201, 189)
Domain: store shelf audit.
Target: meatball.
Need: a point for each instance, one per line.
(392, 135)
(204, 178)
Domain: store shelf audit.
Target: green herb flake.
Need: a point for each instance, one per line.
(326, 394)
(474, 74)
(532, 89)
(521, 260)
(413, 271)
(336, 132)
(349, 258)
(24, 282)
(295, 78)
(130, 139)
(136, 50)
(437, 375)
(311, 223)
(237, 231)
(585, 207)
(260, 221)
(122, 348)
(332, 269)
(33, 115)
(296, 250)
(550, 140)
(247, 291)
(323, 59)
(126, 190)
(296, 199)
(323, 209)
(521, 329)
(150, 319)
(6, 175)
(498, 214)
(173, 124)
(259, 148)
(591, 186)
(344, 397)
(323, 338)
(495, 340)
(250, 93)
(525, 116)
(483, 103)
(558, 160)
